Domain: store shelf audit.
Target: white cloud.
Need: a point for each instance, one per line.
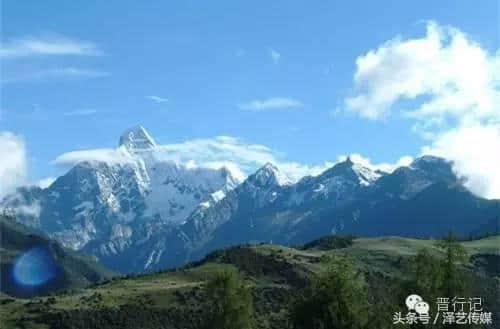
(23, 207)
(275, 55)
(45, 182)
(81, 112)
(231, 166)
(157, 99)
(12, 163)
(233, 153)
(55, 73)
(47, 46)
(453, 86)
(32, 210)
(274, 103)
(384, 166)
(475, 150)
(457, 77)
(112, 156)
(239, 157)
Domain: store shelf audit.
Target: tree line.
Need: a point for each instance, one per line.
(339, 297)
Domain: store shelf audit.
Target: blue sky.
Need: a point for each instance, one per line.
(273, 73)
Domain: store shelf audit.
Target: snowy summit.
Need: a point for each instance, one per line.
(137, 138)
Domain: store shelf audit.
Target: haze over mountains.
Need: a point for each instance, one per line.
(144, 213)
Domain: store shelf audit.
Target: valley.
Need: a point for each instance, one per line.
(276, 274)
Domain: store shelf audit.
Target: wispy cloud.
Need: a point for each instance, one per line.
(47, 46)
(157, 99)
(74, 72)
(55, 73)
(111, 156)
(275, 55)
(273, 103)
(81, 112)
(233, 153)
(241, 157)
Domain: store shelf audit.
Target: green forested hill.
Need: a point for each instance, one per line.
(276, 274)
(69, 270)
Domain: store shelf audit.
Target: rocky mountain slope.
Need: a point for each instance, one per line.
(425, 199)
(142, 213)
(32, 264)
(112, 209)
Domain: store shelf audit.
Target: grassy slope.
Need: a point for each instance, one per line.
(280, 271)
(78, 270)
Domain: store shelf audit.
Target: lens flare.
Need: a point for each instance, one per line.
(35, 267)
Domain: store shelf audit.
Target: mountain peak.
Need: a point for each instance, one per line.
(269, 174)
(353, 171)
(341, 168)
(427, 160)
(436, 167)
(137, 138)
(269, 167)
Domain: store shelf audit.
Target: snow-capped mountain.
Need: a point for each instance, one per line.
(424, 199)
(266, 204)
(107, 208)
(137, 138)
(141, 213)
(406, 182)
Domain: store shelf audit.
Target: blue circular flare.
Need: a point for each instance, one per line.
(35, 267)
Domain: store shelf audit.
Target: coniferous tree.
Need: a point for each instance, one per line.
(336, 299)
(453, 281)
(230, 302)
(432, 277)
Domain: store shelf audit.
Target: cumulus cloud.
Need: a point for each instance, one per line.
(47, 46)
(453, 87)
(475, 150)
(13, 163)
(457, 77)
(274, 103)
